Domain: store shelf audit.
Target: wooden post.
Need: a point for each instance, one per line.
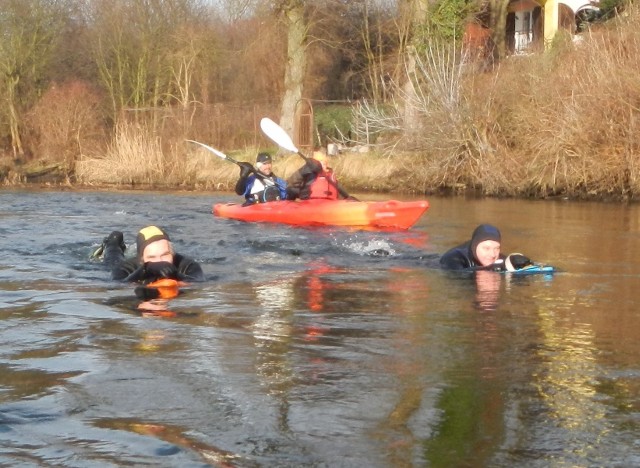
(303, 126)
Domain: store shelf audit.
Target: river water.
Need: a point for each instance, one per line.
(319, 347)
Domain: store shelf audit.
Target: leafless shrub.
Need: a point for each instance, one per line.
(433, 116)
(65, 122)
(377, 124)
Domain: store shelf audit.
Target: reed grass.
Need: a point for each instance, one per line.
(134, 157)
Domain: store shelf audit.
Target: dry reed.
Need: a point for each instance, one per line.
(134, 157)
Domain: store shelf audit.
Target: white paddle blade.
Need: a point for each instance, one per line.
(277, 134)
(220, 154)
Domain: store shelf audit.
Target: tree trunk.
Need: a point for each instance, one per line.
(418, 15)
(14, 118)
(296, 63)
(499, 28)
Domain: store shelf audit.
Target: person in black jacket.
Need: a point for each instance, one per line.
(155, 260)
(315, 179)
(482, 252)
(260, 186)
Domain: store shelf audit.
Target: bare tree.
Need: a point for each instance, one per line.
(296, 27)
(29, 30)
(135, 49)
(382, 39)
(368, 39)
(236, 10)
(498, 24)
(190, 63)
(416, 11)
(348, 44)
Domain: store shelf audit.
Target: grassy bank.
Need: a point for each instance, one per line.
(190, 167)
(404, 173)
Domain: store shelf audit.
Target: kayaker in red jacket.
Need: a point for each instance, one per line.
(155, 260)
(315, 180)
(482, 252)
(260, 186)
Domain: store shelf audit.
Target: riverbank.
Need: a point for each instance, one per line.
(403, 173)
(559, 124)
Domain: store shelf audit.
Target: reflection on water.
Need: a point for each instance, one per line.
(488, 290)
(177, 440)
(318, 347)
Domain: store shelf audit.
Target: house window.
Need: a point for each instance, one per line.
(524, 31)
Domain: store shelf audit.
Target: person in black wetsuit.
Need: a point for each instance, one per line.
(482, 252)
(155, 260)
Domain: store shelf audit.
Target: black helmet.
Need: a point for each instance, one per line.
(263, 158)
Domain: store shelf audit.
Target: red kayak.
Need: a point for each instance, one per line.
(320, 212)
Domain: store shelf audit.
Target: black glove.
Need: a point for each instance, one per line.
(517, 261)
(293, 193)
(163, 289)
(145, 293)
(498, 265)
(135, 276)
(114, 242)
(312, 166)
(116, 238)
(245, 169)
(158, 270)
